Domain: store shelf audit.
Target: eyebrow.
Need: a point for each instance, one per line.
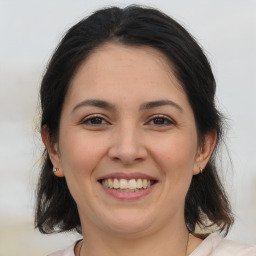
(159, 103)
(95, 103)
(106, 105)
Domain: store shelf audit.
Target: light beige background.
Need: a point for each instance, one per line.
(30, 30)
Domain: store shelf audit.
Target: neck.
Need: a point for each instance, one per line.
(166, 242)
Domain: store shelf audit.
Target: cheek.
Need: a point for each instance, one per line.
(80, 154)
(176, 155)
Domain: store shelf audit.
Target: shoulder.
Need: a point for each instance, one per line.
(228, 247)
(69, 251)
(214, 245)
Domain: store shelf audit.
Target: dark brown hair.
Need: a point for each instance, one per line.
(206, 201)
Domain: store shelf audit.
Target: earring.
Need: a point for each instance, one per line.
(55, 169)
(201, 170)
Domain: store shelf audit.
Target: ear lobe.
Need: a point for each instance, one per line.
(58, 172)
(205, 152)
(52, 151)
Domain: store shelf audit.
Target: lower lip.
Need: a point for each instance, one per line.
(128, 195)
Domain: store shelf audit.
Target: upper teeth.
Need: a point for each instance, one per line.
(126, 184)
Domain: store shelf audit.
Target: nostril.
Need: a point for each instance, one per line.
(127, 150)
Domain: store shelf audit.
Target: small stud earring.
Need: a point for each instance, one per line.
(201, 170)
(55, 169)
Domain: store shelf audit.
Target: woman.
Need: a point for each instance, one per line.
(131, 132)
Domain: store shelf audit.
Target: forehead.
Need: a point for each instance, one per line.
(127, 54)
(115, 68)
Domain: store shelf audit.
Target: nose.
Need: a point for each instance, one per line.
(127, 146)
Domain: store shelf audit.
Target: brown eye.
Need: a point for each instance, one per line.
(160, 121)
(94, 121)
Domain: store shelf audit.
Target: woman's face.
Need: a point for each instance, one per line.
(128, 143)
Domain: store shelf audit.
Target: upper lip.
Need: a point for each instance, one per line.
(127, 176)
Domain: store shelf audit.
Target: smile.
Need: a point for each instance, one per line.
(127, 185)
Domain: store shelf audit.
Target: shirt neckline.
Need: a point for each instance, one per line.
(207, 245)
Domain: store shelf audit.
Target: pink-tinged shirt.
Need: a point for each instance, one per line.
(213, 245)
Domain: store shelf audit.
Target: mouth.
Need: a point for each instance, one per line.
(127, 185)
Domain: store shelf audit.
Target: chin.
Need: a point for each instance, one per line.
(130, 222)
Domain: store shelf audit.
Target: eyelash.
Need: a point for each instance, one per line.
(88, 120)
(165, 121)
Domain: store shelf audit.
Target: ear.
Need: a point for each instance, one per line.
(53, 151)
(205, 151)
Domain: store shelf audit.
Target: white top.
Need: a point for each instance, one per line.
(213, 245)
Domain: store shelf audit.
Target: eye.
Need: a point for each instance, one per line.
(94, 120)
(160, 121)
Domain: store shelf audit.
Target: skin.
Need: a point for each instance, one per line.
(159, 141)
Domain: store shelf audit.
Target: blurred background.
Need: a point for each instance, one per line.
(29, 32)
